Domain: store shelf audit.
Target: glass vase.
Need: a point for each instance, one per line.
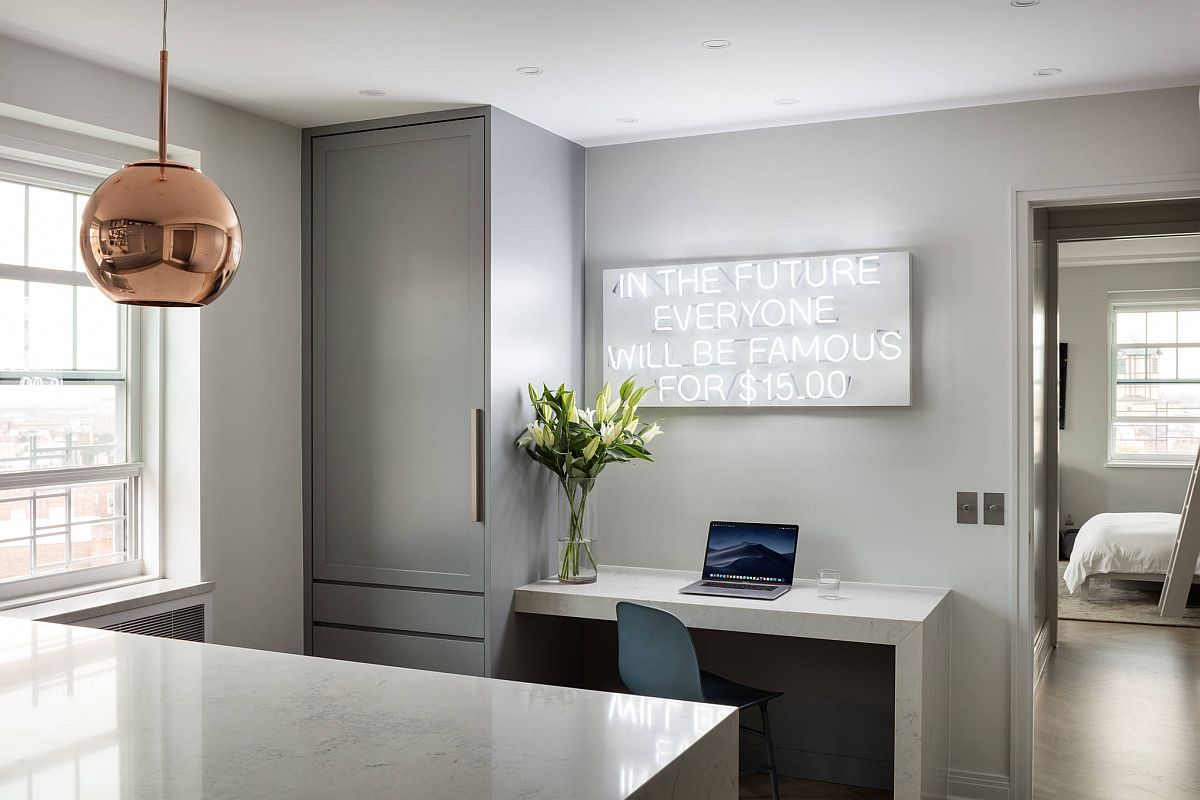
(577, 537)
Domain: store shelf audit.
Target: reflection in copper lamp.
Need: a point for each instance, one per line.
(160, 233)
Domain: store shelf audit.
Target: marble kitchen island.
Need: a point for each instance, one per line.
(95, 714)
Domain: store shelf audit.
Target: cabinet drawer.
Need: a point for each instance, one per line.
(399, 609)
(399, 650)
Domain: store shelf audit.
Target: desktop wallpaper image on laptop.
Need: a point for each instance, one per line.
(740, 552)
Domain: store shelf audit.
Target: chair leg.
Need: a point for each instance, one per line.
(766, 723)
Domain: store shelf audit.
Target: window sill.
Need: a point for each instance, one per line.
(1151, 464)
(103, 599)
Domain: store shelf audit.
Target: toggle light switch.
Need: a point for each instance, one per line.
(968, 508)
(993, 508)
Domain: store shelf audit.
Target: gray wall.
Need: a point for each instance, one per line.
(872, 489)
(535, 291)
(1087, 487)
(246, 395)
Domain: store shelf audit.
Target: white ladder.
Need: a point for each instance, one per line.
(1182, 568)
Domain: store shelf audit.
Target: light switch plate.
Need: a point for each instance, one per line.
(993, 508)
(968, 508)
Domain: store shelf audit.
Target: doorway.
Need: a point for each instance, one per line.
(1052, 230)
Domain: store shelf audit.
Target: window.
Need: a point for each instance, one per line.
(68, 470)
(1154, 339)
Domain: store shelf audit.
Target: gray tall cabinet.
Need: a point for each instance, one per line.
(443, 270)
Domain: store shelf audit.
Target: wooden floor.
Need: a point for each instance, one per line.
(758, 787)
(1117, 714)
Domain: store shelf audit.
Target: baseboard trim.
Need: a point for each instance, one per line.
(977, 786)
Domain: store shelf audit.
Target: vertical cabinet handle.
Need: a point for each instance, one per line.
(477, 465)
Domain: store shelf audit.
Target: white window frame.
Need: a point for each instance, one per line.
(137, 565)
(1153, 300)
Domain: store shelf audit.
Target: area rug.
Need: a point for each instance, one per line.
(1109, 604)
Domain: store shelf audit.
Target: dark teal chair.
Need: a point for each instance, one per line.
(657, 658)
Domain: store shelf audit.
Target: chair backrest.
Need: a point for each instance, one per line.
(656, 655)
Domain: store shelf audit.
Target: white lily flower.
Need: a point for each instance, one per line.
(542, 435)
(588, 415)
(602, 414)
(649, 434)
(610, 433)
(592, 447)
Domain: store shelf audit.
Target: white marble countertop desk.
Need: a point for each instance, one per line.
(913, 619)
(103, 715)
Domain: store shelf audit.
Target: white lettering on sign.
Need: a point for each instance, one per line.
(788, 331)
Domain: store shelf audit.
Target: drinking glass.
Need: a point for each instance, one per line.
(829, 584)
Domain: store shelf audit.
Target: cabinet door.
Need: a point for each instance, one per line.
(398, 355)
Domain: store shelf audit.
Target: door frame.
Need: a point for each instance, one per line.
(1022, 664)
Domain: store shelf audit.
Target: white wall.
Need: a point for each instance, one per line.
(248, 408)
(872, 489)
(1086, 486)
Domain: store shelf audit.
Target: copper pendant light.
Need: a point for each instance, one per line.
(160, 233)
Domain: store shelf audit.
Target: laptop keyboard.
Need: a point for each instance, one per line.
(754, 586)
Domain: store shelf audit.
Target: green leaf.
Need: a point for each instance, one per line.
(634, 452)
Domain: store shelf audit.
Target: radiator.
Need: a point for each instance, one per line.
(186, 618)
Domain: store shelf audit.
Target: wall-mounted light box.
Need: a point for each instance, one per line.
(828, 330)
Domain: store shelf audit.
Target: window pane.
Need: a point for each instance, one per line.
(1156, 439)
(51, 552)
(92, 534)
(50, 508)
(1189, 326)
(12, 223)
(95, 540)
(12, 325)
(1158, 400)
(92, 343)
(50, 326)
(59, 425)
(1131, 364)
(1189, 362)
(14, 533)
(51, 218)
(1131, 327)
(1160, 327)
(96, 501)
(14, 513)
(98, 332)
(15, 558)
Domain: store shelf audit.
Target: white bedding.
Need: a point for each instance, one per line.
(1132, 542)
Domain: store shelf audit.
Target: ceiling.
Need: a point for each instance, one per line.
(303, 62)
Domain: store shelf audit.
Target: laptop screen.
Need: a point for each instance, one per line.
(750, 551)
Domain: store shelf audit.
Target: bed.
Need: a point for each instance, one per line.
(1130, 546)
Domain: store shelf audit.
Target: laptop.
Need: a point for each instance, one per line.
(747, 559)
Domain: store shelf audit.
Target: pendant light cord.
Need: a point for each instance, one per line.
(162, 94)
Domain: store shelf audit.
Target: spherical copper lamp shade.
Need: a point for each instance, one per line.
(159, 233)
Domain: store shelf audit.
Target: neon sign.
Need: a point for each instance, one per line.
(829, 330)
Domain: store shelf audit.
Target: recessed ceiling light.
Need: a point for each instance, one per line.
(1023, 3)
(1047, 72)
(530, 70)
(372, 92)
(786, 101)
(715, 44)
(627, 120)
